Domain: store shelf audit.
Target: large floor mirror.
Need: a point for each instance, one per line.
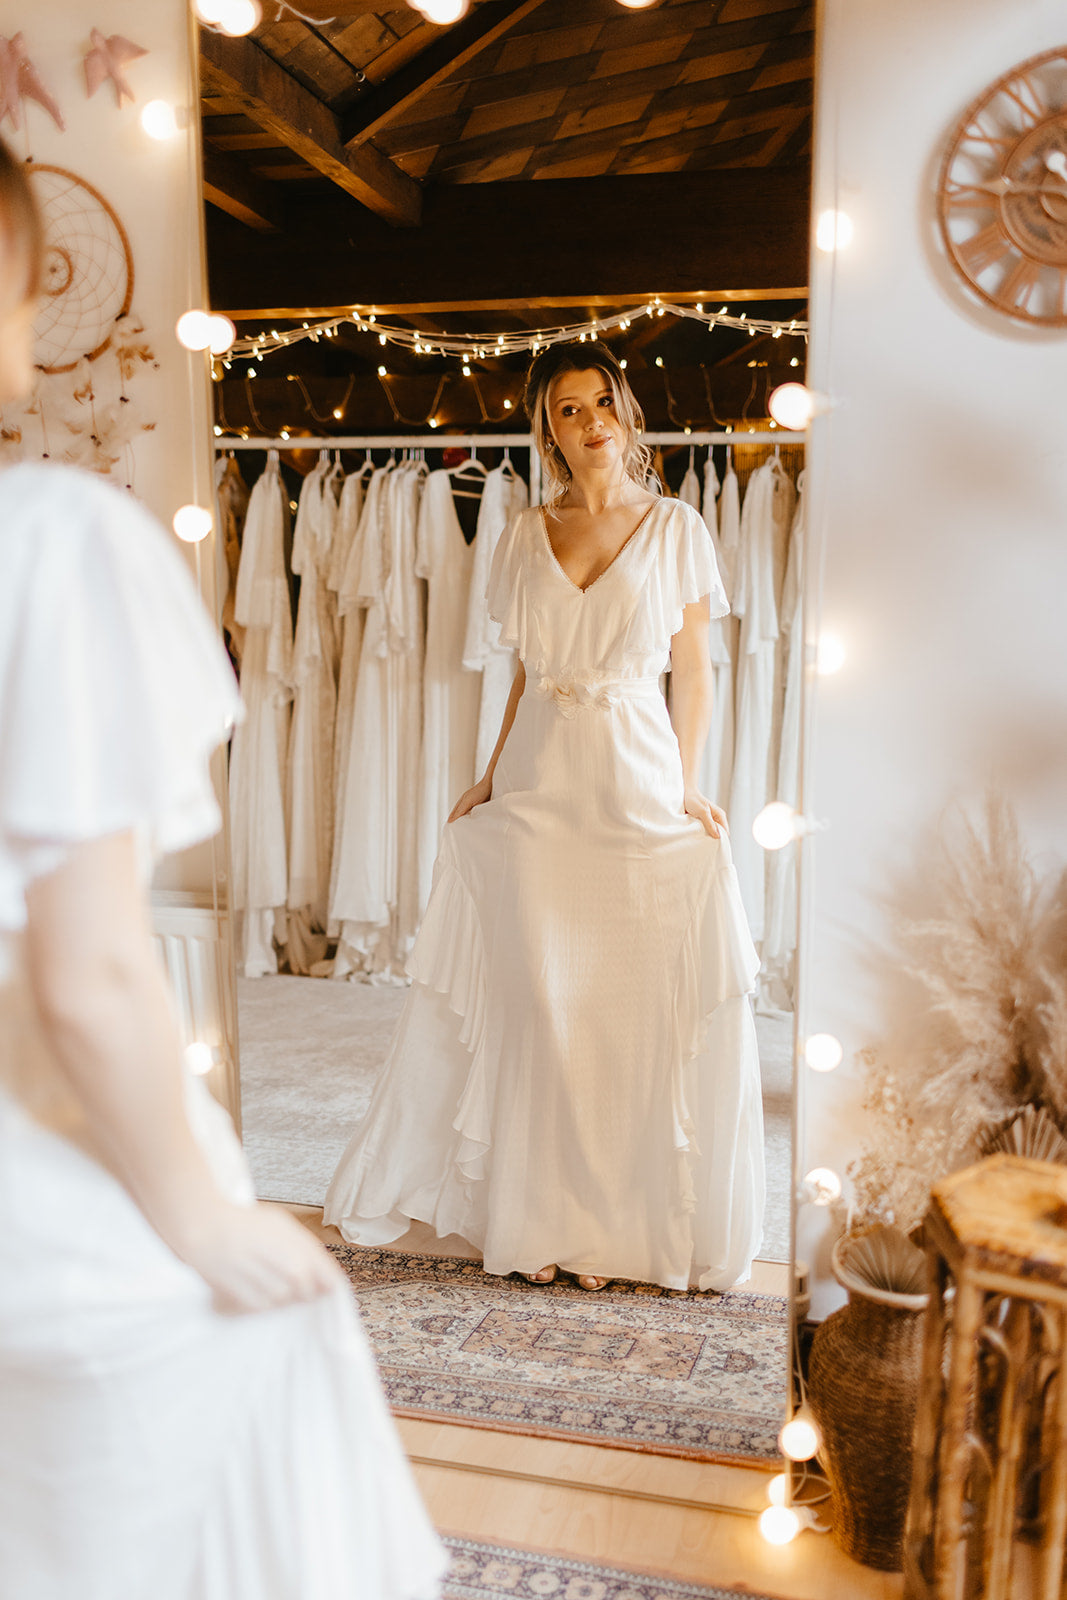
(569, 168)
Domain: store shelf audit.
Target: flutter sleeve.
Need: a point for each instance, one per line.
(114, 685)
(685, 570)
(696, 571)
(505, 592)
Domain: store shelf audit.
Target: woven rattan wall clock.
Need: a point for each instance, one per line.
(1002, 193)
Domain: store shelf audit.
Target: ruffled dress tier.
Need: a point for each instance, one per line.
(151, 1448)
(575, 1077)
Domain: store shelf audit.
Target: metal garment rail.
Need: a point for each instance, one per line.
(491, 441)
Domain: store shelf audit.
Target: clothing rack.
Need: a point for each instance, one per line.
(491, 441)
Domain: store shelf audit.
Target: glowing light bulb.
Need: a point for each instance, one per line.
(507, 405)
(822, 1187)
(823, 1052)
(199, 1058)
(624, 363)
(211, 11)
(223, 333)
(800, 1438)
(775, 826)
(433, 422)
(382, 373)
(192, 523)
(635, 5)
(466, 370)
(659, 361)
(218, 431)
(382, 337)
(792, 406)
(777, 1489)
(779, 1524)
(830, 654)
(161, 120)
(443, 12)
(251, 372)
(284, 433)
(338, 413)
(240, 17)
(833, 231)
(194, 330)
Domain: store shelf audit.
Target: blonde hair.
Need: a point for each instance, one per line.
(21, 230)
(592, 357)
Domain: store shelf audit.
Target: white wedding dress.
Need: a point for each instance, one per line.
(575, 1078)
(150, 1448)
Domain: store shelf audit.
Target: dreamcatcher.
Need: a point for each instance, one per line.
(88, 344)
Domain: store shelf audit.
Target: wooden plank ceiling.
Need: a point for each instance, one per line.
(620, 153)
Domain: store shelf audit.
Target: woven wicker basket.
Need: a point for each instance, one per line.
(863, 1387)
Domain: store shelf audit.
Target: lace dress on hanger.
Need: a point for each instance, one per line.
(575, 1077)
(151, 1448)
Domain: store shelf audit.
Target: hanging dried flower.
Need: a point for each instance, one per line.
(993, 967)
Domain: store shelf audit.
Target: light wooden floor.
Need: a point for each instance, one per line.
(683, 1519)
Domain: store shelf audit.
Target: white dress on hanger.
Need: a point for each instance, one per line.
(311, 779)
(364, 853)
(349, 612)
(765, 522)
(777, 983)
(575, 1077)
(503, 497)
(405, 604)
(151, 1448)
(689, 491)
(258, 851)
(450, 695)
(375, 898)
(716, 767)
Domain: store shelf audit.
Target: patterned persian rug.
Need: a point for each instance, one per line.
(696, 1375)
(487, 1571)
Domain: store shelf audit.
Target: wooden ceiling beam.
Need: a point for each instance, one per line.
(239, 70)
(557, 241)
(454, 49)
(230, 185)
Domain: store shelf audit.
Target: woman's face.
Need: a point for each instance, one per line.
(17, 313)
(583, 421)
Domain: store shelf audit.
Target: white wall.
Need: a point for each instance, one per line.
(939, 512)
(154, 189)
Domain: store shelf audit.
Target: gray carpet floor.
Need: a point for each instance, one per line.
(311, 1050)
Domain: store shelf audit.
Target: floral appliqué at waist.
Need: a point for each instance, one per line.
(572, 695)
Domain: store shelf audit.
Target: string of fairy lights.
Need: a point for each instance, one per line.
(467, 348)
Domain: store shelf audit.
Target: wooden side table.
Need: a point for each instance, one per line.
(987, 1518)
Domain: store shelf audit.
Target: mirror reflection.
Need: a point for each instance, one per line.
(551, 1036)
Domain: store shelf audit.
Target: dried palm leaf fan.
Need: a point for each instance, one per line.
(1031, 1133)
(883, 1261)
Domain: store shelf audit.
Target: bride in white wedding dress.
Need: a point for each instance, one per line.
(188, 1407)
(574, 1081)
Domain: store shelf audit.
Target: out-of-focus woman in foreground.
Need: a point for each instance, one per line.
(188, 1407)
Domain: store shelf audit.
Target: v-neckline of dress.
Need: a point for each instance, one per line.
(611, 564)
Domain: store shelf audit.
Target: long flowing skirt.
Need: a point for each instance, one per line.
(575, 1077)
(152, 1448)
